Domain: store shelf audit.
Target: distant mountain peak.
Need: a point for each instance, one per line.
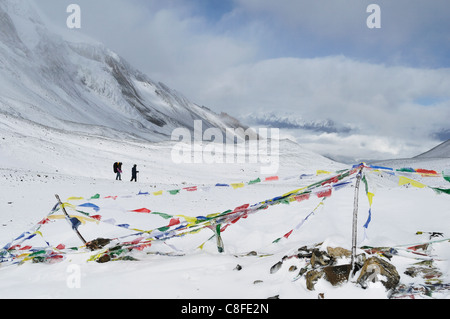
(75, 85)
(291, 121)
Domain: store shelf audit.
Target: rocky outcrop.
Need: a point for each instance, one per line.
(332, 266)
(375, 269)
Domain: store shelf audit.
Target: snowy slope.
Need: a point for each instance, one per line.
(438, 157)
(41, 162)
(77, 84)
(28, 196)
(440, 151)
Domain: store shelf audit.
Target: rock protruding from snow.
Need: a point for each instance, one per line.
(375, 268)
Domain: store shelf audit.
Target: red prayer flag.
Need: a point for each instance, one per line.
(235, 220)
(426, 171)
(174, 221)
(241, 208)
(331, 180)
(142, 247)
(300, 198)
(142, 210)
(325, 193)
(288, 234)
(44, 221)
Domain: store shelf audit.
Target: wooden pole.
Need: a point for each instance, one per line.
(68, 219)
(355, 218)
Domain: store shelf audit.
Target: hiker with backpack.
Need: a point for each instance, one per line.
(118, 170)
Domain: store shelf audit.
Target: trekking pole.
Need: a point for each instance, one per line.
(355, 218)
(69, 220)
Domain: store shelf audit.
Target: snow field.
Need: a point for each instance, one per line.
(397, 214)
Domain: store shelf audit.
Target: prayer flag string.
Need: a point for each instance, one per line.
(19, 251)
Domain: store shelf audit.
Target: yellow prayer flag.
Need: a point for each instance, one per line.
(68, 205)
(56, 217)
(370, 197)
(405, 180)
(82, 219)
(201, 246)
(75, 198)
(195, 231)
(24, 255)
(295, 191)
(94, 257)
(237, 185)
(320, 172)
(190, 220)
(158, 193)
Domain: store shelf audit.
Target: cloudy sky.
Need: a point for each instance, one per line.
(379, 93)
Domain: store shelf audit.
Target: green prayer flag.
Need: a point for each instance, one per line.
(364, 179)
(81, 212)
(255, 181)
(163, 215)
(40, 252)
(446, 177)
(441, 190)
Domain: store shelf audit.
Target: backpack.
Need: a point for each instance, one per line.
(115, 167)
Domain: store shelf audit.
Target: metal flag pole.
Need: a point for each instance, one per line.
(355, 218)
(69, 220)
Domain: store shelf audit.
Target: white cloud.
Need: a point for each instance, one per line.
(379, 100)
(359, 147)
(336, 86)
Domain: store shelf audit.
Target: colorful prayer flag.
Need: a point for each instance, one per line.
(405, 180)
(142, 210)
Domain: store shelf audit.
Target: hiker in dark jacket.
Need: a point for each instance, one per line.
(134, 172)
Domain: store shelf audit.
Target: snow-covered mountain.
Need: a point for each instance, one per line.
(63, 93)
(292, 121)
(79, 85)
(440, 151)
